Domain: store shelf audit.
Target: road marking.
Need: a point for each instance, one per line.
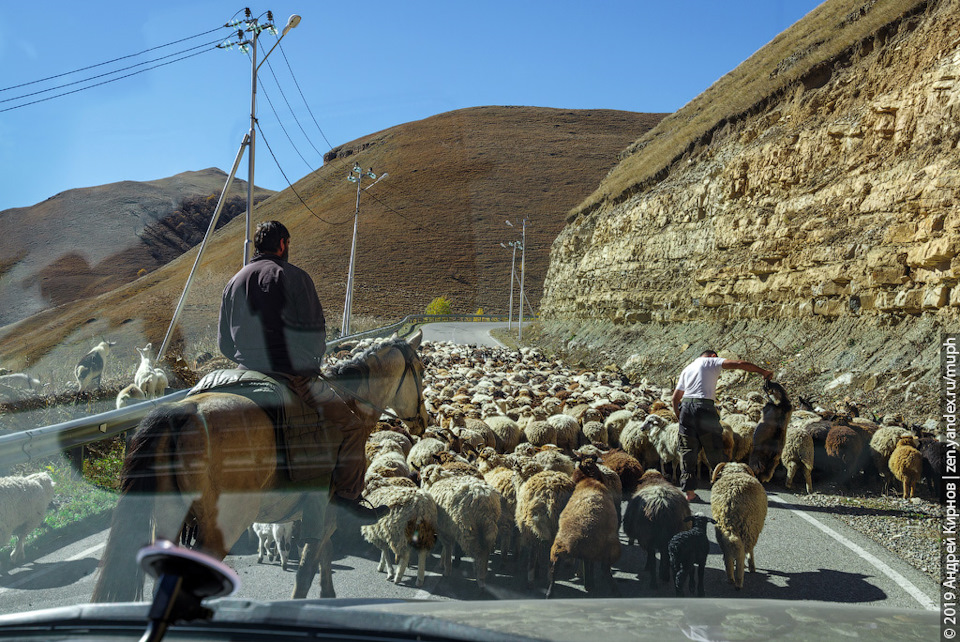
(42, 573)
(881, 566)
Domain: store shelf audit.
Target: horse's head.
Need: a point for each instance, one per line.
(407, 399)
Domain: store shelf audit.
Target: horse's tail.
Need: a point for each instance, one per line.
(146, 472)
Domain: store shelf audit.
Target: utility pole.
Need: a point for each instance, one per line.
(513, 278)
(356, 175)
(523, 263)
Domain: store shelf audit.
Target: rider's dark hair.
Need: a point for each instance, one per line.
(268, 236)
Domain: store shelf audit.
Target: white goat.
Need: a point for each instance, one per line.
(150, 379)
(278, 534)
(90, 368)
(23, 503)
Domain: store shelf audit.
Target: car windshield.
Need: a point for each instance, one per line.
(653, 301)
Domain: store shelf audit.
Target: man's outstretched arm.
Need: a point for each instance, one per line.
(734, 364)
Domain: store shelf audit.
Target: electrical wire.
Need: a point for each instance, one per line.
(108, 73)
(304, 97)
(108, 62)
(292, 188)
(282, 127)
(292, 113)
(105, 82)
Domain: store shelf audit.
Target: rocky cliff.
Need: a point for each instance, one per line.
(832, 196)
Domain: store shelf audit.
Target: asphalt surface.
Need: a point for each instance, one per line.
(803, 553)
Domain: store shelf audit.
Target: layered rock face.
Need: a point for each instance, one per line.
(838, 197)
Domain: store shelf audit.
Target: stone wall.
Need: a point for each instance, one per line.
(837, 199)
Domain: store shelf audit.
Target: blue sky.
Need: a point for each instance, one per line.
(362, 67)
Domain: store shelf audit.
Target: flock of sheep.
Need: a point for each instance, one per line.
(533, 459)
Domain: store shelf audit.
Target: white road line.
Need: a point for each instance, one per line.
(881, 566)
(33, 576)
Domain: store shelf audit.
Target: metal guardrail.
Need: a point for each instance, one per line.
(38, 443)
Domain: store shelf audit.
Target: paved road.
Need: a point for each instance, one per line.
(804, 553)
(799, 557)
(464, 333)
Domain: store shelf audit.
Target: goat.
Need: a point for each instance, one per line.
(150, 379)
(90, 367)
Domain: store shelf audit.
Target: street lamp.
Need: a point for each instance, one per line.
(255, 28)
(355, 176)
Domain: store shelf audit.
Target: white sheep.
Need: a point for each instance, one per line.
(279, 535)
(468, 512)
(882, 444)
(567, 430)
(665, 440)
(507, 431)
(739, 506)
(635, 439)
(797, 455)
(150, 379)
(422, 453)
(615, 424)
(90, 367)
(23, 503)
(409, 524)
(540, 500)
(130, 395)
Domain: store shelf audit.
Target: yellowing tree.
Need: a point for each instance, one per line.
(440, 305)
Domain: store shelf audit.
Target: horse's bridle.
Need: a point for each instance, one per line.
(407, 366)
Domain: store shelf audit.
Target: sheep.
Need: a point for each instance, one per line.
(906, 463)
(277, 534)
(507, 432)
(89, 369)
(23, 502)
(540, 500)
(881, 446)
(130, 395)
(587, 528)
(422, 453)
(935, 454)
(567, 430)
(388, 463)
(798, 456)
(388, 434)
(539, 433)
(665, 440)
(771, 432)
(635, 440)
(844, 448)
(594, 432)
(738, 503)
(654, 514)
(468, 512)
(551, 458)
(627, 467)
(615, 424)
(688, 549)
(503, 481)
(409, 524)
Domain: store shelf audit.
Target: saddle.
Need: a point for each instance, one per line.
(307, 446)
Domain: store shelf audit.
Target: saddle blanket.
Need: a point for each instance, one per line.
(307, 446)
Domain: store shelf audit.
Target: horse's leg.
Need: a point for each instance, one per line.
(309, 566)
(326, 570)
(421, 565)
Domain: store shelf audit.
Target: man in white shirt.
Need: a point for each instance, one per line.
(694, 404)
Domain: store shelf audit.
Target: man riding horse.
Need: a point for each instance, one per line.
(271, 321)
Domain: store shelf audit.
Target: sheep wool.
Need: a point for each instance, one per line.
(797, 456)
(906, 464)
(23, 503)
(738, 503)
(410, 524)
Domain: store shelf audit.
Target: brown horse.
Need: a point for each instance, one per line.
(215, 455)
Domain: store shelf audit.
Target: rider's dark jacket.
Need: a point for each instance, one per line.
(271, 319)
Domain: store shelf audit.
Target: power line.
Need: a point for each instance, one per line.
(115, 71)
(304, 98)
(292, 188)
(108, 62)
(105, 82)
(292, 113)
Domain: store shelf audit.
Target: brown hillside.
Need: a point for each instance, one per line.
(88, 241)
(433, 227)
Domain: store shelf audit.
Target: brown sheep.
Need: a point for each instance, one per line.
(588, 529)
(844, 449)
(906, 464)
(626, 466)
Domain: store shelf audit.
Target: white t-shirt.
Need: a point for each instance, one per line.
(699, 379)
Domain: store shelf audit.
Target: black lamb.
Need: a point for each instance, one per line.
(687, 549)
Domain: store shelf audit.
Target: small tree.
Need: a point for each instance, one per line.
(440, 305)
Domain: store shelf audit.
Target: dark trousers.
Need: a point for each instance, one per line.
(699, 428)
